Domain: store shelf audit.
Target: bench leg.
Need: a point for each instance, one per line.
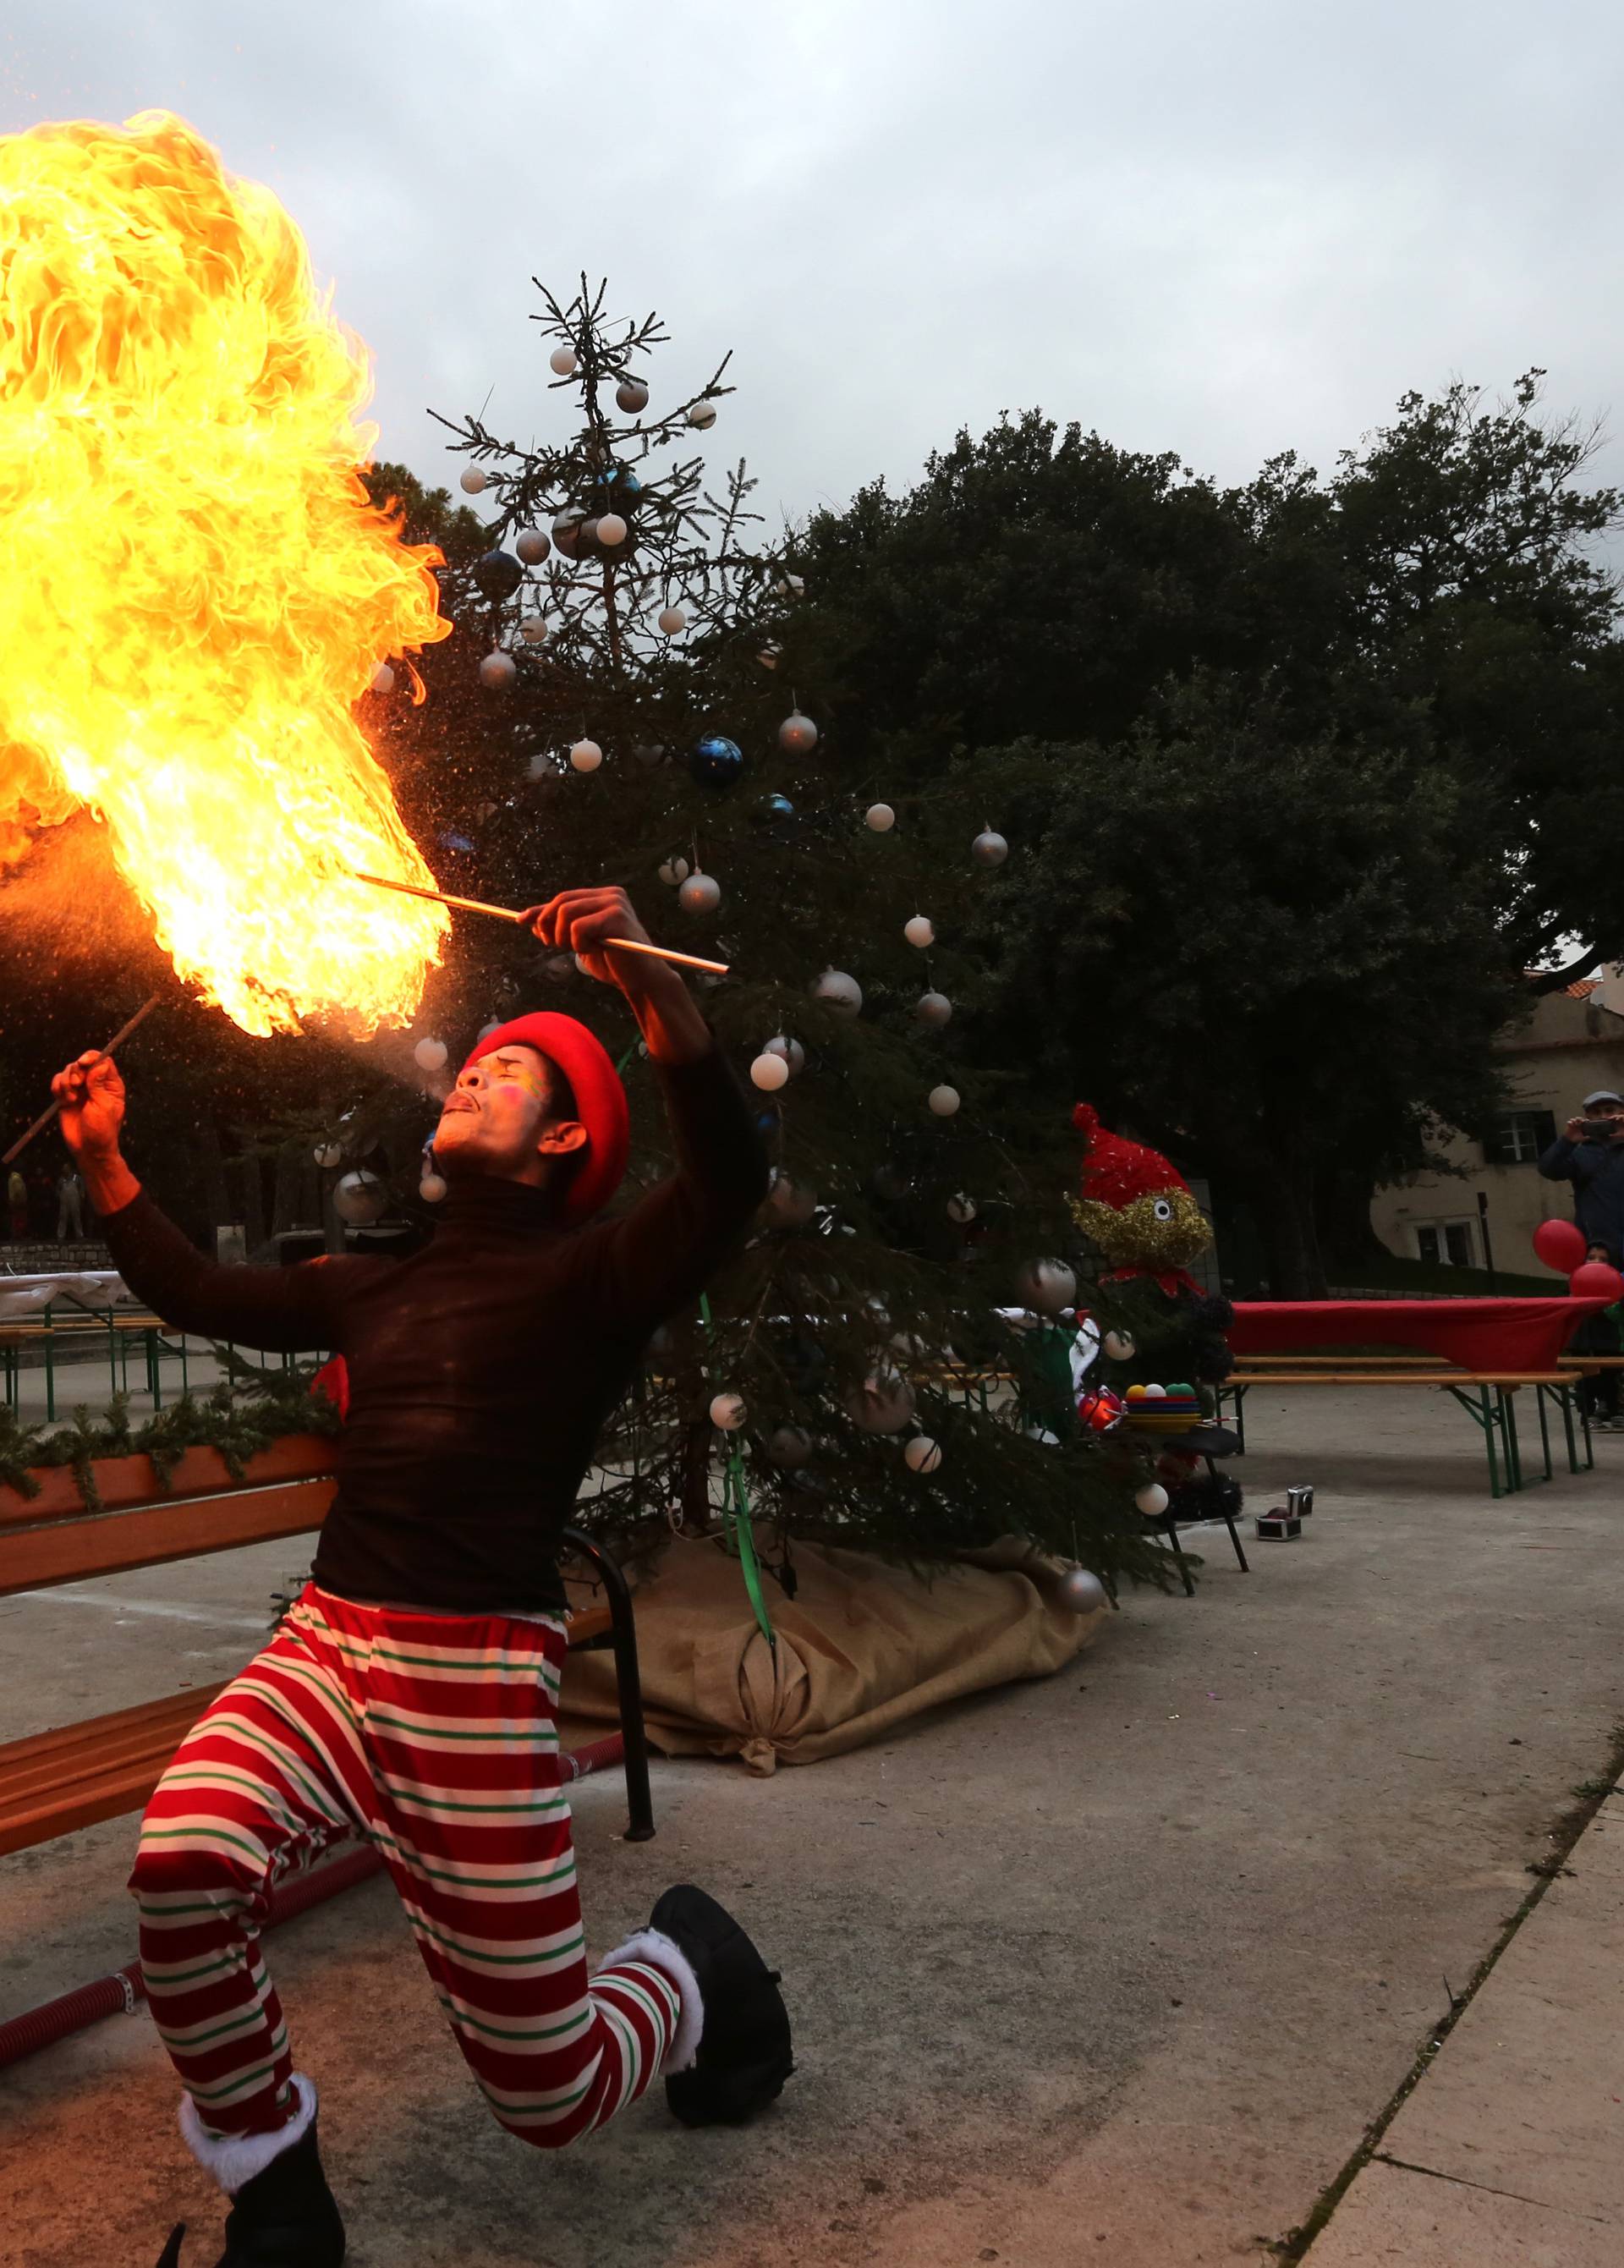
(1544, 1430)
(1480, 1411)
(629, 1685)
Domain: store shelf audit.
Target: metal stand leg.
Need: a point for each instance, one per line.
(1172, 1539)
(628, 1684)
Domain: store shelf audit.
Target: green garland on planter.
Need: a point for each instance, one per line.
(247, 1411)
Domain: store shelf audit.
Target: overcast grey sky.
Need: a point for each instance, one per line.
(1222, 230)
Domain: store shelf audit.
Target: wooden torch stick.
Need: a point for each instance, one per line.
(46, 1116)
(507, 914)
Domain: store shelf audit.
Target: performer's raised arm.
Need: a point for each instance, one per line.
(281, 1308)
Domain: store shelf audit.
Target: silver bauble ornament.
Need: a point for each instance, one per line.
(498, 670)
(918, 931)
(328, 1154)
(670, 620)
(1119, 1345)
(702, 417)
(727, 1412)
(563, 362)
(567, 528)
(933, 1009)
(586, 755)
(701, 893)
(771, 654)
(631, 395)
(474, 480)
(944, 1101)
(884, 1404)
(989, 849)
(1082, 1591)
(787, 1204)
(1152, 1499)
(797, 735)
(769, 1072)
(359, 1198)
(383, 678)
(961, 1208)
(535, 630)
(532, 545)
(429, 1055)
(839, 991)
(880, 818)
(789, 1447)
(1048, 1285)
(673, 871)
(793, 1053)
(922, 1455)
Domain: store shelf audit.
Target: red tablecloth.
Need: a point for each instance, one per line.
(1477, 1334)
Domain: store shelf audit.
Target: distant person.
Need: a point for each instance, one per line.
(17, 1206)
(1590, 1153)
(69, 1207)
(1601, 1333)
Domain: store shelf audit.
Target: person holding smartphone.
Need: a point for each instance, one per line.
(1589, 1153)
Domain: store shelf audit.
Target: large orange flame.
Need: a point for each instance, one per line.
(193, 588)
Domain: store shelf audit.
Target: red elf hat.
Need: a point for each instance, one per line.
(599, 1100)
(1116, 1171)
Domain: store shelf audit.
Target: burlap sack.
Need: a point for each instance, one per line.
(861, 1647)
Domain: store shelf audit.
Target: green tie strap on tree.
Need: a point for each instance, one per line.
(736, 1511)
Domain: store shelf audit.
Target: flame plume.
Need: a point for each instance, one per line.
(193, 587)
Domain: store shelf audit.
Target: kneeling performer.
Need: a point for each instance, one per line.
(409, 1697)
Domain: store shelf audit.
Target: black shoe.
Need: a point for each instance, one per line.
(285, 2218)
(743, 2051)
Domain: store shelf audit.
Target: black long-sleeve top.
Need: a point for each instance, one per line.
(482, 1368)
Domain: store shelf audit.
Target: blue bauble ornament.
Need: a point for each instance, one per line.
(449, 842)
(715, 761)
(619, 487)
(771, 807)
(498, 575)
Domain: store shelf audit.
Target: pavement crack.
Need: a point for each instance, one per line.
(1461, 2181)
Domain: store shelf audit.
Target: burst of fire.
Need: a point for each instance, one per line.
(193, 587)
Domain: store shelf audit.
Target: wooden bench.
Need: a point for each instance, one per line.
(1487, 1398)
(79, 1774)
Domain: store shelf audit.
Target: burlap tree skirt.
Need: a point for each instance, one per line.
(861, 1647)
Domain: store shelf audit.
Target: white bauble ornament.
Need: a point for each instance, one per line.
(944, 1101)
(561, 967)
(431, 1188)
(535, 630)
(881, 817)
(789, 586)
(532, 545)
(1119, 1345)
(769, 1074)
(884, 1404)
(474, 480)
(674, 870)
(631, 395)
(359, 1198)
(1048, 1285)
(1152, 1499)
(841, 992)
(961, 1208)
(989, 849)
(787, 1205)
(922, 1455)
(383, 678)
(789, 1447)
(933, 1009)
(702, 417)
(797, 735)
(701, 893)
(727, 1412)
(497, 670)
(563, 362)
(429, 1055)
(586, 755)
(771, 654)
(793, 1053)
(670, 620)
(611, 530)
(1083, 1591)
(327, 1155)
(918, 931)
(485, 1030)
(540, 766)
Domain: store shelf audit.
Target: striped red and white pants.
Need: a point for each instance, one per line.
(435, 1737)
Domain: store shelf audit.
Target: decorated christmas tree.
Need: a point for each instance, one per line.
(619, 703)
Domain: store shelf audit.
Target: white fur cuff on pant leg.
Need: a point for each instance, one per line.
(653, 1947)
(235, 2159)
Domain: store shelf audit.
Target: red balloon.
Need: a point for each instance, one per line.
(1559, 1244)
(1596, 1281)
